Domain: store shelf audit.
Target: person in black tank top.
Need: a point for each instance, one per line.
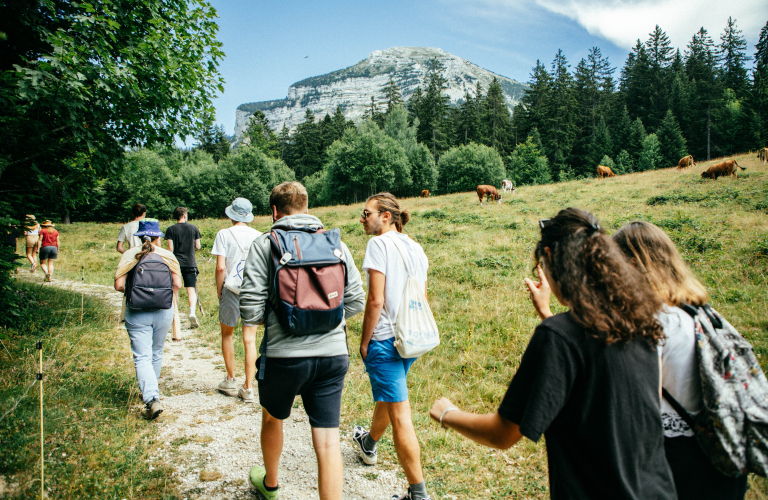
(589, 378)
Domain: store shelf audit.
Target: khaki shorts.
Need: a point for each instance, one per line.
(32, 240)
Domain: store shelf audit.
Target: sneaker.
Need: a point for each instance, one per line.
(358, 435)
(193, 323)
(32, 269)
(152, 410)
(406, 496)
(228, 386)
(256, 477)
(246, 394)
(47, 278)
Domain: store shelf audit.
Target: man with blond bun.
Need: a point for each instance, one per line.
(313, 366)
(385, 263)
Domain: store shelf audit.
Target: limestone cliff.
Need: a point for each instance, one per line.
(352, 87)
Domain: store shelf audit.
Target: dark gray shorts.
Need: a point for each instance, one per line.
(49, 253)
(319, 381)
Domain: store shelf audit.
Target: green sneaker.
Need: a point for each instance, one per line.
(257, 481)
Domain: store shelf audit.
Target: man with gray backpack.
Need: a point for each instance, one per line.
(231, 248)
(301, 282)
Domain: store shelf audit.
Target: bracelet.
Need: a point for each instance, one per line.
(443, 414)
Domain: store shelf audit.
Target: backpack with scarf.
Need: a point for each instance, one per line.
(732, 427)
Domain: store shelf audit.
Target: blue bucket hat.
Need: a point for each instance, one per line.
(149, 227)
(240, 210)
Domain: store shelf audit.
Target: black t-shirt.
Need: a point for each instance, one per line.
(598, 407)
(183, 236)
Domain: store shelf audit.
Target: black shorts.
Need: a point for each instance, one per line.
(189, 275)
(319, 381)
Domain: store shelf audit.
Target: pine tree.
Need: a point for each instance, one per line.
(732, 52)
(284, 143)
(260, 135)
(622, 130)
(532, 110)
(495, 118)
(672, 143)
(701, 68)
(307, 147)
(602, 145)
(624, 163)
(433, 109)
(560, 121)
(392, 95)
(659, 53)
(213, 140)
(637, 136)
(759, 93)
(650, 157)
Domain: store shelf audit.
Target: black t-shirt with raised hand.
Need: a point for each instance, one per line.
(598, 407)
(183, 236)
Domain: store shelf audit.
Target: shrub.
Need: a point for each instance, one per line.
(463, 168)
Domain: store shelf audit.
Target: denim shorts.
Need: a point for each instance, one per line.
(387, 371)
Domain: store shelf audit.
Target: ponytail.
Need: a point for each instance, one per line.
(606, 294)
(146, 247)
(388, 203)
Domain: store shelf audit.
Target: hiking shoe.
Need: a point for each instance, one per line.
(246, 395)
(47, 278)
(193, 323)
(152, 409)
(228, 386)
(256, 477)
(358, 435)
(406, 496)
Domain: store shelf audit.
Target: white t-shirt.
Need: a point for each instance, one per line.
(381, 255)
(127, 235)
(679, 369)
(226, 244)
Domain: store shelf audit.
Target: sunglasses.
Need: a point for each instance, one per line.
(545, 223)
(367, 212)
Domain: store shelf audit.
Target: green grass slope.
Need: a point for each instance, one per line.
(479, 256)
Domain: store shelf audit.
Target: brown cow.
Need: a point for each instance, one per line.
(762, 155)
(603, 171)
(686, 162)
(485, 191)
(425, 193)
(722, 169)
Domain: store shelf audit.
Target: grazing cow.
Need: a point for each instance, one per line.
(485, 191)
(762, 155)
(722, 169)
(507, 186)
(425, 193)
(685, 162)
(603, 171)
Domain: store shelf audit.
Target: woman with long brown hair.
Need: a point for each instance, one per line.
(589, 378)
(650, 250)
(32, 233)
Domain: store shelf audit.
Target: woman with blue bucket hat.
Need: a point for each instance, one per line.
(148, 327)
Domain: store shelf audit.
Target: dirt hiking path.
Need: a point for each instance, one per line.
(212, 440)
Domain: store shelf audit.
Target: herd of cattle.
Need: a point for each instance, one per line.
(726, 168)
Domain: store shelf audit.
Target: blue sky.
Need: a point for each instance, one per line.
(271, 44)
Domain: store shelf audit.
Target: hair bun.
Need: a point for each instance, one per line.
(404, 217)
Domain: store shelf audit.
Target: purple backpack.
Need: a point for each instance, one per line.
(149, 285)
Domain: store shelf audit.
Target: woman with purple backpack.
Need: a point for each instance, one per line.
(147, 328)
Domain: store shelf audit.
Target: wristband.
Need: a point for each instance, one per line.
(451, 408)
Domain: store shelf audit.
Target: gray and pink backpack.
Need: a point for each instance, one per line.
(307, 279)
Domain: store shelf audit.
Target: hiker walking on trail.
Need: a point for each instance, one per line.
(589, 378)
(304, 350)
(385, 264)
(32, 233)
(149, 307)
(127, 237)
(49, 248)
(230, 248)
(183, 239)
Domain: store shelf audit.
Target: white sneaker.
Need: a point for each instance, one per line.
(368, 457)
(246, 395)
(193, 323)
(228, 386)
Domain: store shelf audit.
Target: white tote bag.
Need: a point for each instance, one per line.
(415, 328)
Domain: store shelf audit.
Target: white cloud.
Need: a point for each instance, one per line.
(623, 22)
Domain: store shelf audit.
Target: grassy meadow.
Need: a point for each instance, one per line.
(478, 256)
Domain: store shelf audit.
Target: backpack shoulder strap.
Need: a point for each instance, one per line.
(678, 408)
(405, 262)
(242, 250)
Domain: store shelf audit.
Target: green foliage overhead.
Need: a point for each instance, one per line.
(463, 168)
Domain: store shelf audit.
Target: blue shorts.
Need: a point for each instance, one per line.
(387, 371)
